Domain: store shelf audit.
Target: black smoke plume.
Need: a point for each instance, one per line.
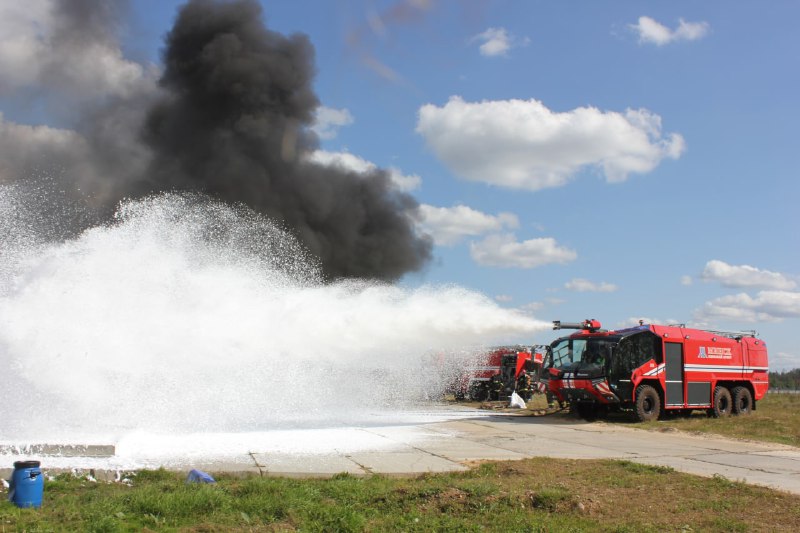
(229, 117)
(234, 124)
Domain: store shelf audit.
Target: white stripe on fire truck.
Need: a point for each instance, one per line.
(484, 368)
(657, 370)
(602, 387)
(716, 368)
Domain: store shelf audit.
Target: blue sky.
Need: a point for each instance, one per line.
(613, 160)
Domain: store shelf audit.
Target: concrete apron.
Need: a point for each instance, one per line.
(454, 445)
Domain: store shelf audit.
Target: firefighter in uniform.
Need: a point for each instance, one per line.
(524, 386)
(495, 387)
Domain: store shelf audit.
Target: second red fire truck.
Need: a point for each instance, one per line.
(502, 371)
(654, 370)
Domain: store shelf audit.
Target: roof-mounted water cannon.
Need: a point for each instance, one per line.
(590, 324)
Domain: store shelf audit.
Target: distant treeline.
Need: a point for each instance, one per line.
(785, 380)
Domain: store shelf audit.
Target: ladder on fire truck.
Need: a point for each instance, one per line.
(730, 334)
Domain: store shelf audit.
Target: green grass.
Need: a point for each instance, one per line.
(531, 495)
(776, 419)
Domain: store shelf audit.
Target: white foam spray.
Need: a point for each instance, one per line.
(185, 315)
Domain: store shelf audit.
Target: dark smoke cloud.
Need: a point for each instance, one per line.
(231, 118)
(235, 125)
(64, 59)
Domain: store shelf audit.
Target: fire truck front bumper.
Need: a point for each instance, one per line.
(580, 390)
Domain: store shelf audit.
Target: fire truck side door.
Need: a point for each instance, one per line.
(673, 363)
(745, 359)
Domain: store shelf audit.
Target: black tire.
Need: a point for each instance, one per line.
(722, 403)
(648, 403)
(587, 411)
(478, 393)
(742, 401)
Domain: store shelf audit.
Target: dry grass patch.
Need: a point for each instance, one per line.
(623, 496)
(777, 419)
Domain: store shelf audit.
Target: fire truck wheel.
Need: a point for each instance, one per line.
(648, 403)
(742, 401)
(722, 402)
(478, 394)
(587, 411)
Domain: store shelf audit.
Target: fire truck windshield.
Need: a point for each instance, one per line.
(586, 351)
(567, 351)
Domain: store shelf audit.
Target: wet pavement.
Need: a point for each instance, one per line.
(453, 445)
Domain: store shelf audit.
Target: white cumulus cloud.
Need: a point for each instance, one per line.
(741, 276)
(521, 144)
(766, 306)
(503, 250)
(17, 139)
(535, 307)
(20, 143)
(327, 121)
(783, 361)
(584, 285)
(532, 307)
(497, 42)
(353, 163)
(449, 225)
(652, 31)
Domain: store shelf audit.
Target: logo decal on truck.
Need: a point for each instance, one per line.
(714, 352)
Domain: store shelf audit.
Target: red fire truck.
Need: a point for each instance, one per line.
(656, 370)
(502, 371)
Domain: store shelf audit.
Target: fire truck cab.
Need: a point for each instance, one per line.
(654, 370)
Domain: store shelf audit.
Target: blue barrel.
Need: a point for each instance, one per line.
(27, 484)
